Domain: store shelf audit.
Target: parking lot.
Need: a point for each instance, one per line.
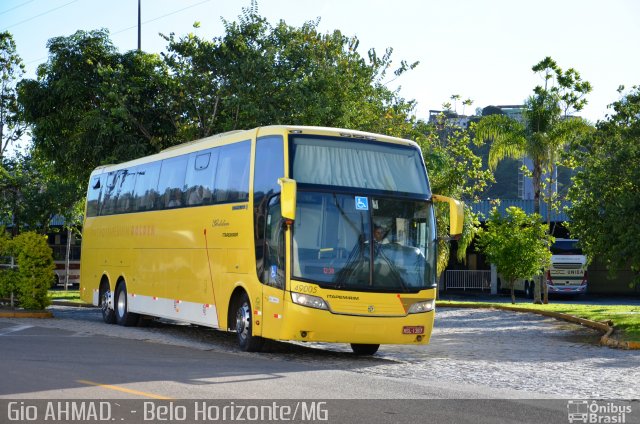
(475, 353)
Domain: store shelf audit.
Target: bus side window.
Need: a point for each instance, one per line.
(94, 193)
(269, 166)
(199, 181)
(232, 173)
(145, 195)
(171, 182)
(109, 202)
(274, 262)
(124, 197)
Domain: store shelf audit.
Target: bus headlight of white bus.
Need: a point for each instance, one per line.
(309, 301)
(424, 306)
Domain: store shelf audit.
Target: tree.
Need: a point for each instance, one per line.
(606, 191)
(547, 128)
(262, 74)
(91, 105)
(11, 70)
(31, 194)
(455, 171)
(467, 102)
(31, 279)
(517, 243)
(455, 98)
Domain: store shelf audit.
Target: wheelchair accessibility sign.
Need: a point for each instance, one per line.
(362, 203)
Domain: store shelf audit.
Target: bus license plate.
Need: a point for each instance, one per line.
(416, 329)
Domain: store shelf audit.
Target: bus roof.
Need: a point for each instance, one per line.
(239, 135)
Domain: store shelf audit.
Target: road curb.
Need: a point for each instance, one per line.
(26, 314)
(608, 329)
(72, 304)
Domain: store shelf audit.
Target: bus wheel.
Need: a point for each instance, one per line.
(364, 349)
(108, 314)
(123, 316)
(247, 341)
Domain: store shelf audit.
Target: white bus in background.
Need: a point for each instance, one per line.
(61, 242)
(567, 274)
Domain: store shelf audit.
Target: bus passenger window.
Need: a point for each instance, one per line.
(94, 197)
(145, 195)
(124, 199)
(199, 181)
(109, 202)
(171, 182)
(232, 173)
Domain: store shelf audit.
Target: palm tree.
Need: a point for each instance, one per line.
(546, 130)
(455, 98)
(466, 103)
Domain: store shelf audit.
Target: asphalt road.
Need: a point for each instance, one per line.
(40, 362)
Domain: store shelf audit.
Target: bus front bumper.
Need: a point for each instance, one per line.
(567, 289)
(317, 325)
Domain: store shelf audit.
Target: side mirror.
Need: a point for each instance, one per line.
(456, 213)
(288, 198)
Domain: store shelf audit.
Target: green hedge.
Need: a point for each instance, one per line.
(32, 277)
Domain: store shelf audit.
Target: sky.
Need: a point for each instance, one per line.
(479, 49)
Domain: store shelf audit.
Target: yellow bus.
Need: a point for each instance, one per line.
(280, 232)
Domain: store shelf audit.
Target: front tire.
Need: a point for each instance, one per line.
(123, 316)
(364, 349)
(244, 328)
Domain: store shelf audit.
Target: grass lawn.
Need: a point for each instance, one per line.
(626, 319)
(66, 295)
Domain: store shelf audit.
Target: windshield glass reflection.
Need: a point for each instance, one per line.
(336, 236)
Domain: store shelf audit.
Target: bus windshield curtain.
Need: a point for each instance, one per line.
(359, 165)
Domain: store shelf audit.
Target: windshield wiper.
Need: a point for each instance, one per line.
(392, 267)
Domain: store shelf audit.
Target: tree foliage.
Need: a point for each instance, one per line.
(606, 190)
(91, 105)
(11, 70)
(31, 193)
(517, 243)
(34, 274)
(455, 171)
(547, 128)
(262, 74)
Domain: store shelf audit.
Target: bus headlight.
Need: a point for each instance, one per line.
(424, 306)
(309, 301)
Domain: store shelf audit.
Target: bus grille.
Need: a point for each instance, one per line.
(568, 266)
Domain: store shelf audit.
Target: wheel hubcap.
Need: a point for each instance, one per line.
(106, 296)
(122, 304)
(243, 321)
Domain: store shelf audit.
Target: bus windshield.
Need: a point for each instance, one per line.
(340, 162)
(565, 247)
(336, 235)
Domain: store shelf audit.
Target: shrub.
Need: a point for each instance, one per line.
(32, 278)
(6, 281)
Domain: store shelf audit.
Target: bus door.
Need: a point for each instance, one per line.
(274, 271)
